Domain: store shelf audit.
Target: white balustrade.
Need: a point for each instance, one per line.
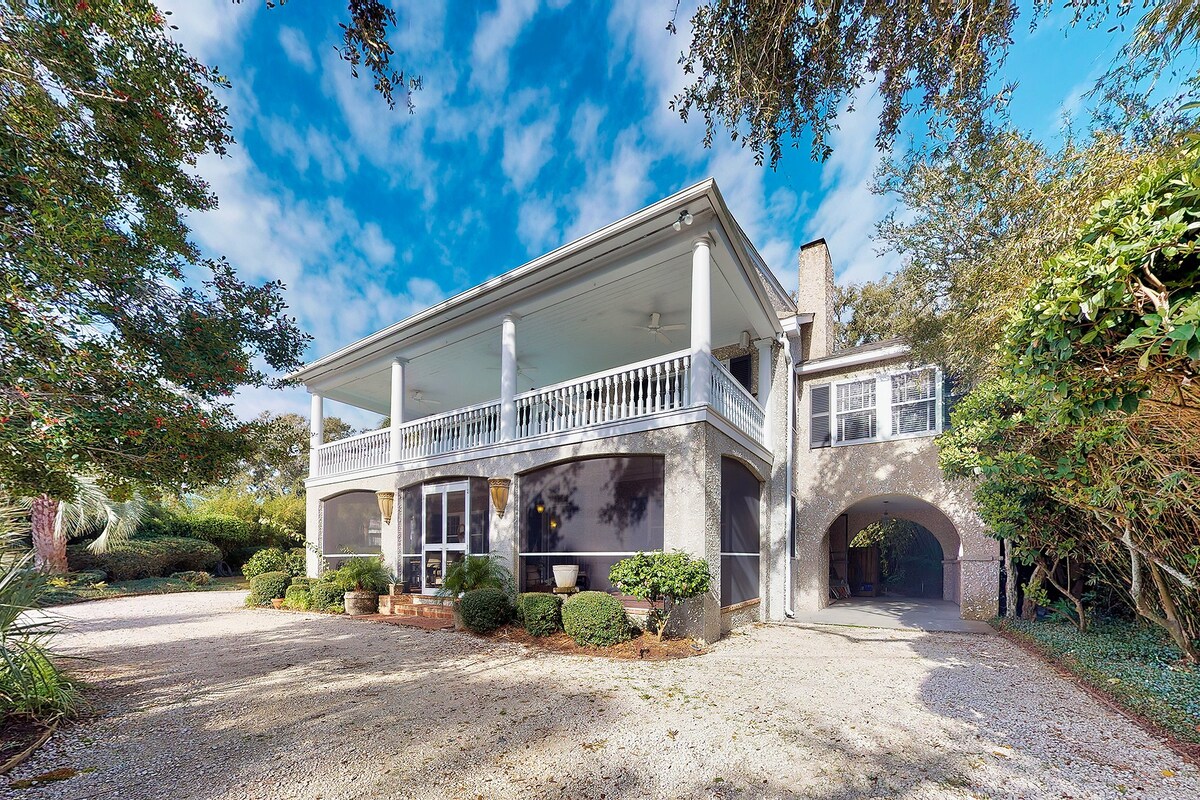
(735, 403)
(367, 450)
(476, 426)
(634, 390)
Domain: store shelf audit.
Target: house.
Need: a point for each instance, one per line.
(648, 386)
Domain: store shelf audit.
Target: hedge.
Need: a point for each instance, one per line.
(484, 610)
(267, 587)
(146, 558)
(325, 595)
(596, 619)
(226, 532)
(272, 559)
(297, 597)
(540, 613)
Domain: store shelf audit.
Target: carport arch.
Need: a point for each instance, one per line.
(868, 509)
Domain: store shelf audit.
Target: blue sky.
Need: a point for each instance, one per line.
(539, 122)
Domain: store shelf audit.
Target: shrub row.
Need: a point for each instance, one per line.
(594, 619)
(272, 559)
(146, 558)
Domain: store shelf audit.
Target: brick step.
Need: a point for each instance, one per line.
(404, 605)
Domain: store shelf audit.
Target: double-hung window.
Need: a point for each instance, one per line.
(915, 402)
(856, 419)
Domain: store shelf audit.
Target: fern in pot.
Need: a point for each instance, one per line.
(362, 579)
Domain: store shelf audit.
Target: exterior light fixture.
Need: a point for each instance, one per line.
(499, 488)
(685, 218)
(553, 522)
(387, 501)
(540, 507)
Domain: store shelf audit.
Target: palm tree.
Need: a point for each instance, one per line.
(54, 522)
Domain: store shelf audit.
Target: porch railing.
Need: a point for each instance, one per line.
(462, 429)
(733, 402)
(367, 450)
(634, 390)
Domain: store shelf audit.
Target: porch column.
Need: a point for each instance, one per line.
(316, 433)
(765, 375)
(508, 378)
(397, 415)
(701, 321)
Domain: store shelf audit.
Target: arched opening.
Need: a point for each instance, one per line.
(351, 525)
(896, 549)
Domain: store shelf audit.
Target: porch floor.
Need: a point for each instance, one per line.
(899, 613)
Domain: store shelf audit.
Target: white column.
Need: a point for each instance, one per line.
(765, 374)
(508, 378)
(316, 432)
(701, 320)
(397, 415)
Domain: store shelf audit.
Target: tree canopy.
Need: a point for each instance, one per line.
(119, 343)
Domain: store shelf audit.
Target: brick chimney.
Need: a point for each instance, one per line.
(814, 295)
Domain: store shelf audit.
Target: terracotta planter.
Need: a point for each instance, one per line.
(565, 575)
(276, 602)
(359, 603)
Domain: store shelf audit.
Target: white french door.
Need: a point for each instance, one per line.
(447, 508)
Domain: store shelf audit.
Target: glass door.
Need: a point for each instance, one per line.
(447, 509)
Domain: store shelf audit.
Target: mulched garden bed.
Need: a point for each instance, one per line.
(645, 647)
(19, 737)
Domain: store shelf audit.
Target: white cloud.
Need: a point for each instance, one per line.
(613, 188)
(296, 48)
(585, 128)
(495, 36)
(527, 148)
(209, 28)
(378, 250)
(537, 224)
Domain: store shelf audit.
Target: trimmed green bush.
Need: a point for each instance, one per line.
(226, 532)
(484, 610)
(193, 577)
(267, 587)
(146, 558)
(297, 597)
(595, 619)
(269, 559)
(325, 595)
(302, 581)
(540, 613)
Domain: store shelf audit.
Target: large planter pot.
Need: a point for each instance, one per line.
(565, 575)
(276, 602)
(359, 603)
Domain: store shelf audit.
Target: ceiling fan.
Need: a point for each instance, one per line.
(656, 327)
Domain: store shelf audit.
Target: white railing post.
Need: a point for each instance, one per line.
(397, 417)
(765, 374)
(508, 378)
(316, 434)
(701, 327)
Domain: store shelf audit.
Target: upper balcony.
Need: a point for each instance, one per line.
(612, 332)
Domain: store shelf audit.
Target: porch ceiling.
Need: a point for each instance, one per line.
(578, 328)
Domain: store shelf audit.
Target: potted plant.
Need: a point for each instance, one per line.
(565, 575)
(362, 579)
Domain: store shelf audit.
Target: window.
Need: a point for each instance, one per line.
(914, 402)
(591, 514)
(740, 540)
(740, 369)
(441, 522)
(856, 411)
(351, 525)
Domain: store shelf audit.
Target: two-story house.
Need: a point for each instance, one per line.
(648, 386)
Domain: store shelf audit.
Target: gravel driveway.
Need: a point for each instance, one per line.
(204, 699)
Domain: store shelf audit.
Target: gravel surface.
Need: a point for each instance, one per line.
(203, 699)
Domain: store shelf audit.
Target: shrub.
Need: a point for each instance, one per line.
(325, 595)
(297, 597)
(484, 610)
(595, 619)
(295, 562)
(475, 572)
(269, 559)
(193, 577)
(540, 613)
(362, 574)
(146, 558)
(88, 577)
(267, 587)
(302, 581)
(665, 578)
(226, 532)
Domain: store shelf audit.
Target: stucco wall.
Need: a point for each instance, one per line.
(830, 480)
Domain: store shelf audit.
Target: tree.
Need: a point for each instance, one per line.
(770, 72)
(977, 220)
(119, 344)
(89, 512)
(663, 580)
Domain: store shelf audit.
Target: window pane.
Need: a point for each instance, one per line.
(739, 579)
(856, 425)
(597, 505)
(856, 396)
(536, 573)
(481, 515)
(739, 508)
(351, 524)
(456, 517)
(914, 418)
(433, 518)
(410, 521)
(919, 385)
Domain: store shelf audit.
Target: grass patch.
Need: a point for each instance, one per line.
(1136, 665)
(65, 595)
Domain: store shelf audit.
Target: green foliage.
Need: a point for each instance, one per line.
(1135, 664)
(540, 613)
(476, 572)
(30, 683)
(227, 533)
(266, 587)
(122, 344)
(362, 574)
(485, 609)
(325, 595)
(661, 578)
(595, 619)
(146, 558)
(195, 578)
(272, 559)
(297, 597)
